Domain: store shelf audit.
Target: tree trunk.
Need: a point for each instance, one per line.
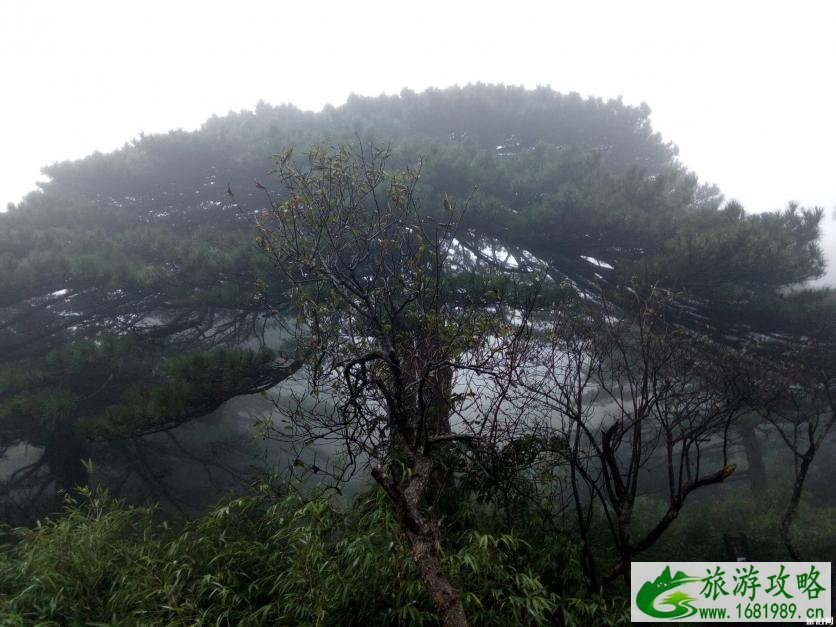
(438, 421)
(423, 538)
(625, 530)
(63, 451)
(754, 458)
(446, 598)
(792, 506)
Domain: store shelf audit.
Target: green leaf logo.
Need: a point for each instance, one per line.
(678, 600)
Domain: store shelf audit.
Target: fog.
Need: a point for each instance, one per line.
(744, 92)
(526, 276)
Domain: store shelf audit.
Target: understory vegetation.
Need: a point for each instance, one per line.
(274, 556)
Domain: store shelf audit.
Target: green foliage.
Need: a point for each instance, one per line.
(757, 252)
(65, 570)
(263, 558)
(271, 557)
(697, 535)
(185, 386)
(39, 398)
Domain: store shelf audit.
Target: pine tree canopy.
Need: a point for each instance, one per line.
(132, 292)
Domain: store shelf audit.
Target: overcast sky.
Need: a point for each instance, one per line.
(746, 89)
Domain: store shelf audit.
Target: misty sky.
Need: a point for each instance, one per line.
(746, 89)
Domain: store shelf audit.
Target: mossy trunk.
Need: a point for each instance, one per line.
(423, 536)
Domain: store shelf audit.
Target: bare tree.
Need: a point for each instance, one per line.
(417, 363)
(798, 398)
(623, 391)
